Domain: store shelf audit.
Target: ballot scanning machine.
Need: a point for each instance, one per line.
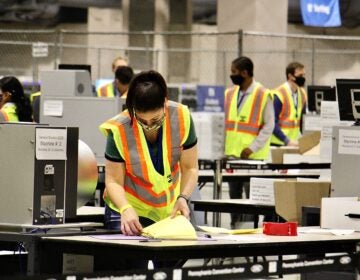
(67, 100)
(345, 176)
(38, 173)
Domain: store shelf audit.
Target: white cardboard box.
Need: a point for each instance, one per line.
(334, 211)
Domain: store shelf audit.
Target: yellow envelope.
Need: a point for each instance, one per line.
(175, 228)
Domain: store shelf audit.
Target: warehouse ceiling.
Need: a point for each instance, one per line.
(51, 12)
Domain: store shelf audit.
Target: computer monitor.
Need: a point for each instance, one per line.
(174, 93)
(188, 96)
(66, 83)
(86, 113)
(348, 96)
(316, 94)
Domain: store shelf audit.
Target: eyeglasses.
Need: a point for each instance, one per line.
(155, 126)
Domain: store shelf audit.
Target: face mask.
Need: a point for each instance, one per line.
(300, 81)
(237, 79)
(154, 126)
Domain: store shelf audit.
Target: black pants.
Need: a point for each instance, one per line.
(235, 192)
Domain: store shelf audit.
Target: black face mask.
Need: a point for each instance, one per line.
(237, 79)
(300, 81)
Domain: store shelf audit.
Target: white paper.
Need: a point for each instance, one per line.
(312, 123)
(262, 191)
(329, 119)
(53, 108)
(326, 142)
(327, 231)
(51, 143)
(349, 142)
(239, 237)
(330, 111)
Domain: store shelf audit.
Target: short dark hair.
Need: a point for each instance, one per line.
(147, 92)
(290, 69)
(124, 74)
(244, 63)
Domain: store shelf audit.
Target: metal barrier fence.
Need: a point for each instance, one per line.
(182, 57)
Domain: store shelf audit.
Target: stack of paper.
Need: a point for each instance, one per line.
(171, 228)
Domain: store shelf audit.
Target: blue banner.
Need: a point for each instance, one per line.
(321, 13)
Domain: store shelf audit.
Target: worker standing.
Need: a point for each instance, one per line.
(289, 106)
(249, 121)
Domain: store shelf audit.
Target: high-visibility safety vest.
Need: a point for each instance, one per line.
(8, 112)
(290, 117)
(241, 128)
(107, 90)
(151, 194)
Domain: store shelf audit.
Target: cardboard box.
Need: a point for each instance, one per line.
(335, 213)
(277, 154)
(291, 196)
(306, 143)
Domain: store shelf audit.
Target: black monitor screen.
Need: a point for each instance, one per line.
(316, 94)
(344, 89)
(86, 67)
(174, 93)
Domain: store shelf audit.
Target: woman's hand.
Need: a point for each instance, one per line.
(130, 224)
(181, 206)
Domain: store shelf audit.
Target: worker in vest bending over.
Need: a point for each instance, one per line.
(151, 157)
(110, 89)
(14, 105)
(249, 121)
(289, 106)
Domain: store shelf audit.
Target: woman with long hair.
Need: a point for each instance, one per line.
(14, 104)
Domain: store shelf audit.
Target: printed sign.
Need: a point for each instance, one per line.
(210, 98)
(349, 142)
(51, 143)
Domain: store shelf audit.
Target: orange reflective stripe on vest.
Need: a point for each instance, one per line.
(151, 194)
(107, 90)
(285, 120)
(253, 125)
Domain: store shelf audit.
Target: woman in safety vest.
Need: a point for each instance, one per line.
(151, 157)
(14, 104)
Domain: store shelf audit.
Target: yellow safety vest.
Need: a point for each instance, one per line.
(107, 90)
(8, 112)
(243, 127)
(290, 117)
(151, 194)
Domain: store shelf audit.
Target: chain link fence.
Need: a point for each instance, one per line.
(182, 57)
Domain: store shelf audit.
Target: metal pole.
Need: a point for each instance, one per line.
(99, 63)
(313, 62)
(217, 189)
(240, 42)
